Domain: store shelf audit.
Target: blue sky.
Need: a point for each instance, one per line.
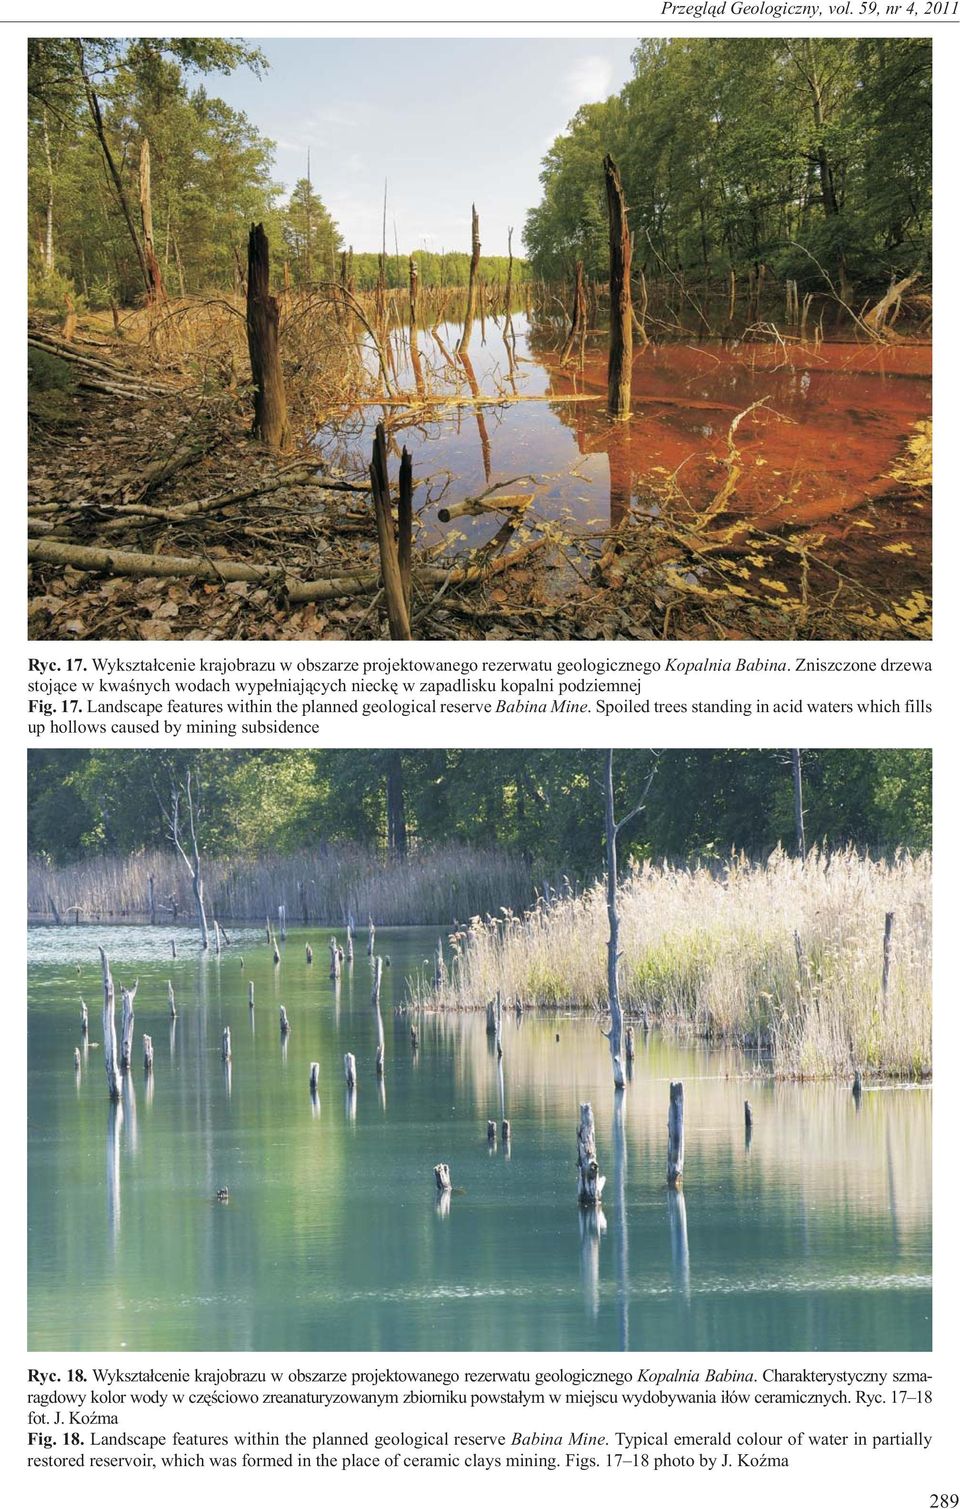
(445, 122)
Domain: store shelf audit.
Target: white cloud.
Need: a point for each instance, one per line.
(590, 79)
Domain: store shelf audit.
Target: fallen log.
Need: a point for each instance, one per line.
(138, 563)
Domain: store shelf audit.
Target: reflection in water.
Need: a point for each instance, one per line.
(114, 1124)
(474, 387)
(620, 1184)
(679, 1249)
(315, 1103)
(593, 1223)
(130, 1102)
(350, 1103)
(443, 1203)
(836, 419)
(337, 1239)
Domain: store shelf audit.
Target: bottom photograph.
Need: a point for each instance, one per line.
(493, 1050)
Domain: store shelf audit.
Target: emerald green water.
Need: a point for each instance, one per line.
(815, 1236)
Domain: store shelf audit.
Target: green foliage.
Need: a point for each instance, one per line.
(546, 806)
(211, 168)
(808, 155)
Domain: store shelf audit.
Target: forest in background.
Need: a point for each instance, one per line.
(543, 807)
(807, 156)
(94, 102)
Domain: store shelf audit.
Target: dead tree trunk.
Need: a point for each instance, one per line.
(126, 1027)
(156, 293)
(798, 803)
(375, 1003)
(470, 315)
(590, 1181)
(396, 600)
(611, 831)
(172, 818)
(578, 317)
(508, 291)
(620, 363)
(109, 1031)
(270, 422)
(675, 1135)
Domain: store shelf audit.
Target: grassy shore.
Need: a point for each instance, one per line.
(782, 957)
(433, 886)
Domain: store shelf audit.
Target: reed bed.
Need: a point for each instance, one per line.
(434, 886)
(783, 958)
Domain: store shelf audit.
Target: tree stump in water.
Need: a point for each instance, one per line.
(442, 1175)
(620, 361)
(284, 1024)
(109, 1031)
(84, 1022)
(350, 1070)
(629, 1045)
(590, 1181)
(250, 1001)
(675, 1135)
(270, 422)
(126, 1029)
(309, 953)
(147, 1054)
(314, 1077)
(334, 959)
(225, 1050)
(171, 999)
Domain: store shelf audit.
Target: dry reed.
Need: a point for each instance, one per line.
(434, 886)
(784, 958)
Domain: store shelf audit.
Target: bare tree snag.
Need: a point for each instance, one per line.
(887, 958)
(590, 1181)
(109, 1030)
(126, 1026)
(270, 422)
(397, 611)
(578, 318)
(798, 803)
(405, 525)
(472, 284)
(620, 363)
(675, 1135)
(611, 832)
(413, 294)
(375, 1003)
(508, 291)
(156, 293)
(172, 818)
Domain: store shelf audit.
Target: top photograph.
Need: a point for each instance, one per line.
(546, 339)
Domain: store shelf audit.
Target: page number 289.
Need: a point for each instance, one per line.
(944, 1500)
